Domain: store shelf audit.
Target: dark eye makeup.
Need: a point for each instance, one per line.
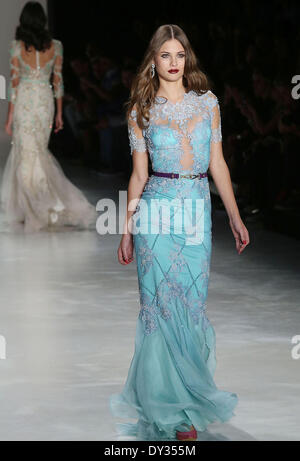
(165, 55)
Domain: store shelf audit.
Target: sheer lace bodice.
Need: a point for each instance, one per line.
(36, 67)
(179, 135)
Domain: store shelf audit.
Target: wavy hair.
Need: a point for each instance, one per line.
(144, 88)
(32, 28)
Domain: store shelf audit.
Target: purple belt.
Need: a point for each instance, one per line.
(179, 175)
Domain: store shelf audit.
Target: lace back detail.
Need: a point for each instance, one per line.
(35, 66)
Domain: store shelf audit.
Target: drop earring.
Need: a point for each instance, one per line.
(152, 70)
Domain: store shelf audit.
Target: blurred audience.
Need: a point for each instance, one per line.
(252, 79)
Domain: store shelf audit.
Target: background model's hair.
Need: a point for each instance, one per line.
(32, 28)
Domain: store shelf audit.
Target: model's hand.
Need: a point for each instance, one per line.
(8, 128)
(240, 233)
(125, 250)
(59, 124)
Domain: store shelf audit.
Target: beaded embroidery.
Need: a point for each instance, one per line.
(185, 128)
(178, 139)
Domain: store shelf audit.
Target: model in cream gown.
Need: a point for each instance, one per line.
(34, 189)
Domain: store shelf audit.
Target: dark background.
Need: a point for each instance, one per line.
(126, 29)
(236, 43)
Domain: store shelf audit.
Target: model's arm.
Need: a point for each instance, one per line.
(58, 86)
(221, 176)
(13, 85)
(137, 181)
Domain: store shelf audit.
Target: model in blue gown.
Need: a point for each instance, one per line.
(170, 381)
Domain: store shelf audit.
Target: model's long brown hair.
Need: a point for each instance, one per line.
(144, 88)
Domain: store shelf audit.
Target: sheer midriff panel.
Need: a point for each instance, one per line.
(184, 133)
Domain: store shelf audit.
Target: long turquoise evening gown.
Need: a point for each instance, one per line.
(170, 380)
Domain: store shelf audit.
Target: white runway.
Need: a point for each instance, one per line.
(68, 314)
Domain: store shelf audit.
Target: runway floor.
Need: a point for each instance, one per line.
(68, 314)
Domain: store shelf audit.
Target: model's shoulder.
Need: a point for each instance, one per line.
(57, 45)
(14, 45)
(133, 112)
(202, 95)
(212, 96)
(208, 94)
(211, 100)
(133, 118)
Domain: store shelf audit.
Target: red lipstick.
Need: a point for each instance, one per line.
(173, 71)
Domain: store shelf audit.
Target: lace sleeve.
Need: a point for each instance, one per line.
(136, 138)
(14, 72)
(215, 118)
(58, 83)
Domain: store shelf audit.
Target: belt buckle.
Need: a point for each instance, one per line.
(188, 176)
(192, 176)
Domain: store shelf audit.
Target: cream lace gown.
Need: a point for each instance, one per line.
(34, 189)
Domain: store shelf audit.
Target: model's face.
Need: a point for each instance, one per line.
(169, 58)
